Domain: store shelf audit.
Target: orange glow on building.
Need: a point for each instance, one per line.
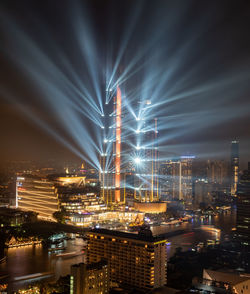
(118, 145)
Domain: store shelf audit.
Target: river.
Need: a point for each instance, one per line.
(224, 221)
(28, 260)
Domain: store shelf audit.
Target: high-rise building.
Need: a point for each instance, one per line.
(217, 172)
(234, 166)
(177, 178)
(112, 184)
(243, 208)
(89, 278)
(137, 260)
(202, 192)
(186, 179)
(169, 179)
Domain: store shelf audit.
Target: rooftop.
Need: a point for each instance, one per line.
(92, 266)
(232, 279)
(143, 235)
(10, 212)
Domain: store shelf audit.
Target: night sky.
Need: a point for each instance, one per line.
(192, 58)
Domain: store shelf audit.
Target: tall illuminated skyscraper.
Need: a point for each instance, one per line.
(110, 157)
(234, 166)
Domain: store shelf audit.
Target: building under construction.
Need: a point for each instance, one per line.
(146, 161)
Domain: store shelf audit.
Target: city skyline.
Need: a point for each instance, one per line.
(125, 147)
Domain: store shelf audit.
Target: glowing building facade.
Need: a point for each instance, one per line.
(137, 260)
(45, 195)
(81, 203)
(234, 167)
(112, 189)
(103, 217)
(38, 195)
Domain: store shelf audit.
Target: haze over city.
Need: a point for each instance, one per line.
(125, 147)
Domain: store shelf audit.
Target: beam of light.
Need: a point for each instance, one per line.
(137, 160)
(133, 18)
(43, 72)
(47, 128)
(169, 76)
(84, 36)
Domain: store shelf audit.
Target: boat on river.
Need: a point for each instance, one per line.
(69, 254)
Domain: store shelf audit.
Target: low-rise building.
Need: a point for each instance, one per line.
(15, 217)
(86, 219)
(222, 282)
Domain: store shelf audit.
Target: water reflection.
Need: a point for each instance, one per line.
(224, 221)
(28, 260)
(36, 259)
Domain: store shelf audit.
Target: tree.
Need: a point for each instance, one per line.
(60, 216)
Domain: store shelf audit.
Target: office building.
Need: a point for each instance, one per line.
(217, 172)
(234, 166)
(186, 179)
(177, 179)
(243, 208)
(89, 278)
(136, 260)
(170, 179)
(202, 193)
